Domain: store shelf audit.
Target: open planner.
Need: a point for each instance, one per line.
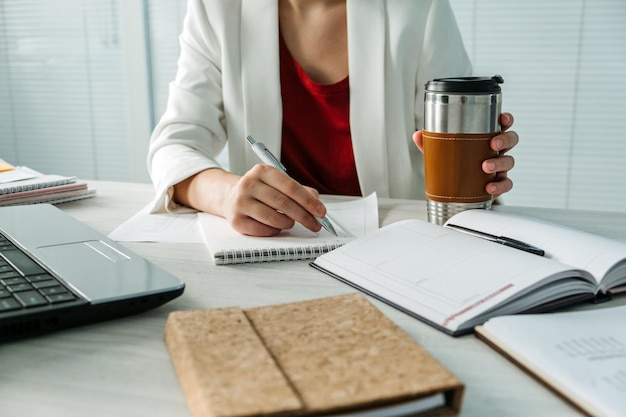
(580, 355)
(350, 219)
(455, 281)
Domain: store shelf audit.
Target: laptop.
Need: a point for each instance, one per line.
(57, 272)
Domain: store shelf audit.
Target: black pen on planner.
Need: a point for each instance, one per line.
(267, 157)
(507, 241)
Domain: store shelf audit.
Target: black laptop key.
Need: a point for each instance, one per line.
(30, 298)
(61, 298)
(45, 284)
(23, 263)
(9, 274)
(52, 290)
(6, 245)
(40, 277)
(13, 280)
(8, 304)
(24, 286)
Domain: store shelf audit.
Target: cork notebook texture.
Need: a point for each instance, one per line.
(329, 356)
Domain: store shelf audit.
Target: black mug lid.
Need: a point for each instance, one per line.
(478, 85)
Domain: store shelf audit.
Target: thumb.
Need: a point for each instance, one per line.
(418, 139)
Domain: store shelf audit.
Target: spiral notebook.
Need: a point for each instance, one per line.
(351, 219)
(23, 185)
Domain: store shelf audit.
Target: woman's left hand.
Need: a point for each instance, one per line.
(499, 165)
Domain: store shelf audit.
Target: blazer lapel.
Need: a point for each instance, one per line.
(260, 75)
(366, 45)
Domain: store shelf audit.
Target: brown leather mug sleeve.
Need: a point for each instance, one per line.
(453, 166)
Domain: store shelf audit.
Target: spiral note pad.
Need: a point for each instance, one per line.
(351, 219)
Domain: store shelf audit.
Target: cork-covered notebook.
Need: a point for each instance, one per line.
(336, 355)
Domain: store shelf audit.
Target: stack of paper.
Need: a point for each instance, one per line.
(22, 185)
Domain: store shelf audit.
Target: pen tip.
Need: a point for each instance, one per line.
(326, 224)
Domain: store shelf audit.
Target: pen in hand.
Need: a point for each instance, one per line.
(268, 158)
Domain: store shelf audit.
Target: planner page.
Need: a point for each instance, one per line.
(581, 354)
(447, 277)
(601, 256)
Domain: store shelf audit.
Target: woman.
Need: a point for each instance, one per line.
(334, 88)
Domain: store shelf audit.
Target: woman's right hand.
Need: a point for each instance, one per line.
(262, 202)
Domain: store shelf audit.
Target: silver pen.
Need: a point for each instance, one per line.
(266, 156)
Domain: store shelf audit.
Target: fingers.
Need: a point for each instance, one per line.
(504, 142)
(247, 225)
(266, 201)
(506, 121)
(500, 164)
(501, 185)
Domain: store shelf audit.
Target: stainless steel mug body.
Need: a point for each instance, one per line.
(461, 115)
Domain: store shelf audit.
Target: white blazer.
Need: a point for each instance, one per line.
(228, 87)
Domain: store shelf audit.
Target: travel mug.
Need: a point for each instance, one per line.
(461, 115)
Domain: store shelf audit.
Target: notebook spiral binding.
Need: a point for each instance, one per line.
(256, 255)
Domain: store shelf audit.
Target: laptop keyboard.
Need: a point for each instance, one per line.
(24, 283)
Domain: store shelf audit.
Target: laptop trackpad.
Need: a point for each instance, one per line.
(88, 248)
(105, 250)
(96, 268)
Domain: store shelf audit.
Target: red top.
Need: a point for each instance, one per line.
(316, 140)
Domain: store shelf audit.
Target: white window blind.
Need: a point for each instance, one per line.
(563, 63)
(62, 107)
(165, 22)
